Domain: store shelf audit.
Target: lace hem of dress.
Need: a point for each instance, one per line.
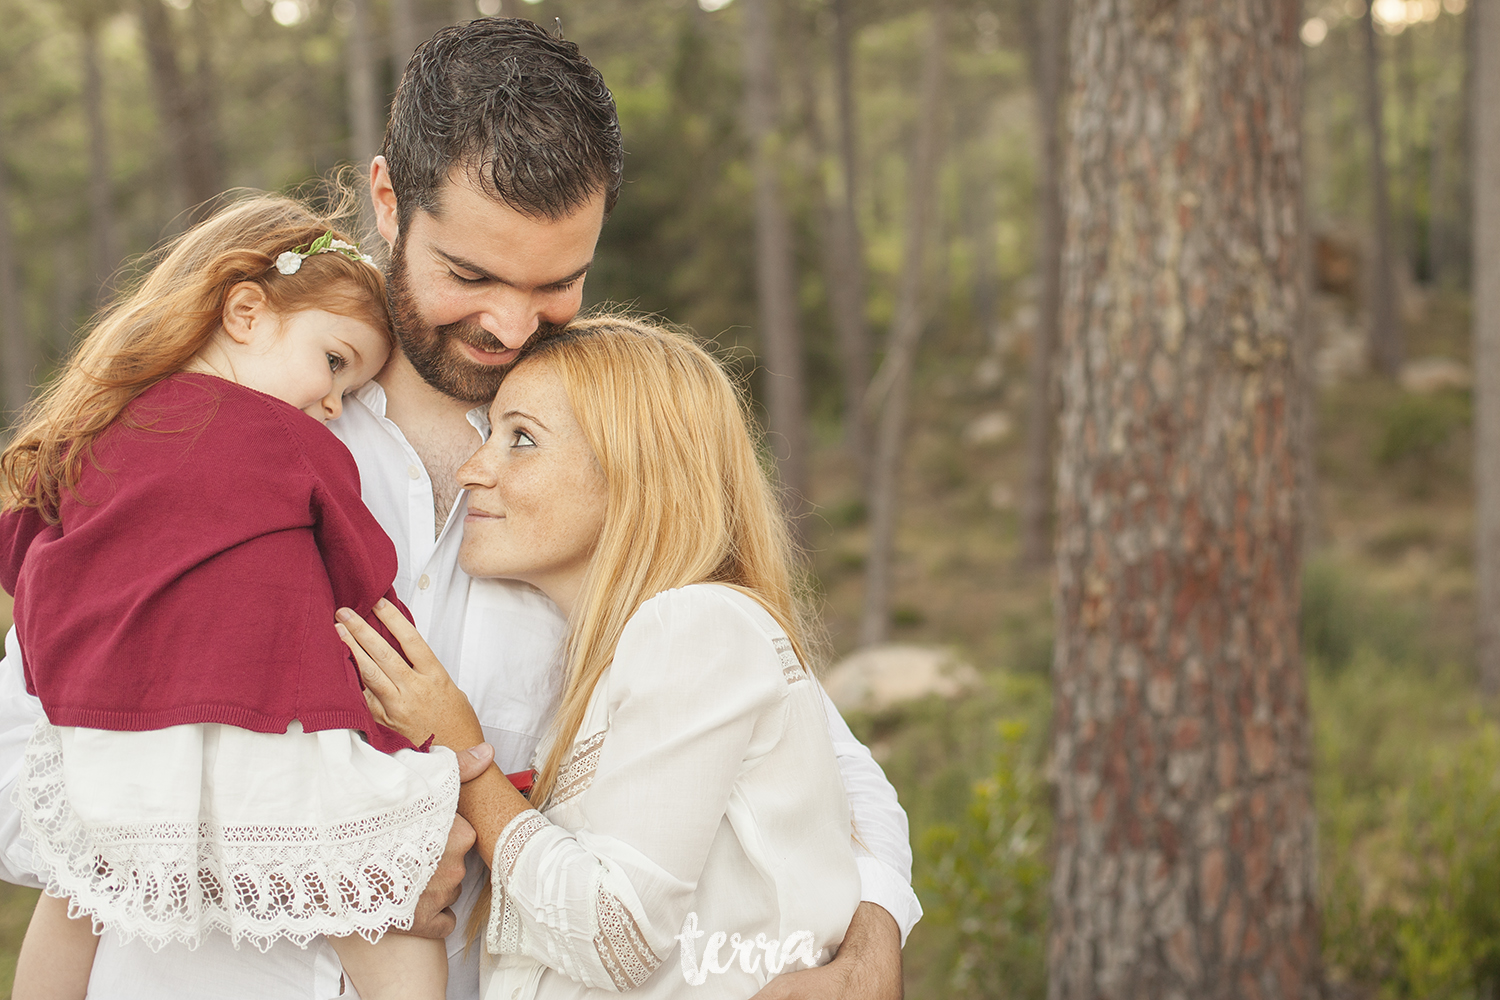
(178, 882)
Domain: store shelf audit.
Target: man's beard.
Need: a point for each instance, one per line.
(430, 349)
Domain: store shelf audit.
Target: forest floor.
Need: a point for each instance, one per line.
(1390, 572)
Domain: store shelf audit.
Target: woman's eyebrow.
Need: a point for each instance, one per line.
(524, 416)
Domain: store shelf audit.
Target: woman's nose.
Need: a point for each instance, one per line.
(477, 470)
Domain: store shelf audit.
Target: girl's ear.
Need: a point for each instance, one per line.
(247, 313)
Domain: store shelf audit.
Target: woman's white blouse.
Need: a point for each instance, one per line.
(698, 840)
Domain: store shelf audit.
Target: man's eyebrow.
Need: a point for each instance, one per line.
(484, 275)
(524, 416)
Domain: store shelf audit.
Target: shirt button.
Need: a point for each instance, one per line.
(414, 472)
(424, 582)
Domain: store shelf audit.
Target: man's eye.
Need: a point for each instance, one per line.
(520, 439)
(335, 363)
(462, 280)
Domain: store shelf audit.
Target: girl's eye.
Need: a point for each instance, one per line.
(335, 363)
(520, 439)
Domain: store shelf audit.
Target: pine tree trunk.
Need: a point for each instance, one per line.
(18, 355)
(189, 138)
(365, 133)
(1036, 493)
(403, 36)
(847, 296)
(775, 277)
(1380, 292)
(1185, 836)
(1485, 178)
(890, 390)
(105, 255)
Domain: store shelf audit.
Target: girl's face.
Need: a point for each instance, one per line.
(536, 493)
(312, 358)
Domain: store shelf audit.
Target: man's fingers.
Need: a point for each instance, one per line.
(475, 761)
(461, 837)
(378, 681)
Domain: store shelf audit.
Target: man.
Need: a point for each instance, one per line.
(502, 160)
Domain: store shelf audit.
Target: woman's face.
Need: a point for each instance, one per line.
(536, 493)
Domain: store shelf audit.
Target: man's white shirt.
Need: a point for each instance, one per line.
(502, 642)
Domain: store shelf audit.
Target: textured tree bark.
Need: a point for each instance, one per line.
(1185, 836)
(1485, 178)
(775, 278)
(890, 389)
(189, 137)
(1379, 288)
(18, 355)
(104, 253)
(1036, 493)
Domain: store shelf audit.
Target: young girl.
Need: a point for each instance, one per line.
(178, 532)
(693, 839)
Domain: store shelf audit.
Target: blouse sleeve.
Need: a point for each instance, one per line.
(696, 695)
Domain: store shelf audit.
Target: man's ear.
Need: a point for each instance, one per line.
(383, 197)
(247, 313)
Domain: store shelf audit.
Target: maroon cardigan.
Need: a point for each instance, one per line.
(194, 576)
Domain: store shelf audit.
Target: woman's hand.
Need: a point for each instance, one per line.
(416, 699)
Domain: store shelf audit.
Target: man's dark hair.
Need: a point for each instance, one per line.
(523, 113)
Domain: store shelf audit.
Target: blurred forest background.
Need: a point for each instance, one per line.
(780, 155)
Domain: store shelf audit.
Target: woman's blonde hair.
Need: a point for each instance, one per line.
(687, 499)
(154, 330)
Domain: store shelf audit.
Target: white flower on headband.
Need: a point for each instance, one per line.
(290, 262)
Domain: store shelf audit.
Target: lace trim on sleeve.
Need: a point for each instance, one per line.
(578, 773)
(622, 947)
(503, 936)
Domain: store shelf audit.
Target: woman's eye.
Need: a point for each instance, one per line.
(520, 439)
(335, 363)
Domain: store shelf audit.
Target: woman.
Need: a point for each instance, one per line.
(693, 838)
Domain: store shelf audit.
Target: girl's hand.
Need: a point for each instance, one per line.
(416, 699)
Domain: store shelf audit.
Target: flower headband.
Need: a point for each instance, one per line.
(290, 262)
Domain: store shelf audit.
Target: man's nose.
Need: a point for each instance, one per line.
(510, 320)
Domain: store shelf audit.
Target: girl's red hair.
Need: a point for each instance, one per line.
(154, 330)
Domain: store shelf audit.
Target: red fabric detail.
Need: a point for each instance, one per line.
(523, 780)
(195, 575)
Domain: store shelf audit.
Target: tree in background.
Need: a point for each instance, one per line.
(17, 352)
(1049, 66)
(775, 268)
(890, 391)
(1385, 330)
(1486, 289)
(1184, 828)
(184, 110)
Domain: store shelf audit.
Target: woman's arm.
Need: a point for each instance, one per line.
(686, 697)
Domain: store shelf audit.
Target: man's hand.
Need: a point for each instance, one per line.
(434, 916)
(868, 965)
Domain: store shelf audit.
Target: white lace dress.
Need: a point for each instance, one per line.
(172, 834)
(698, 843)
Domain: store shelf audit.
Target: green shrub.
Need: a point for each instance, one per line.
(985, 879)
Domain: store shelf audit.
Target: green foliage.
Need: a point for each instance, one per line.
(1408, 795)
(1416, 431)
(985, 879)
(1339, 619)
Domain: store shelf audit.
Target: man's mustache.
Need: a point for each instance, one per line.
(478, 337)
